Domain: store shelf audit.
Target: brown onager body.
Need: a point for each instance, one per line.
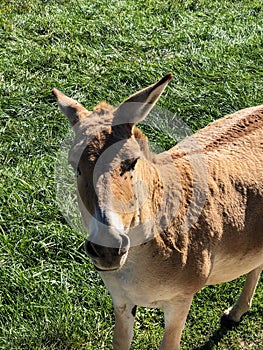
(161, 227)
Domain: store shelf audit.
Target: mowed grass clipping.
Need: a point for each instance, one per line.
(50, 295)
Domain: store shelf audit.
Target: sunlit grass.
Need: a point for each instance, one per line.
(50, 296)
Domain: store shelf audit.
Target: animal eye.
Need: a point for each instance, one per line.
(77, 172)
(128, 165)
(75, 169)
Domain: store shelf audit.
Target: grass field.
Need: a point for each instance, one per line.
(50, 295)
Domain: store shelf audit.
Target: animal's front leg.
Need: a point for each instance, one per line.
(123, 331)
(175, 313)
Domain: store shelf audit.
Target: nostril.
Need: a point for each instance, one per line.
(125, 244)
(122, 251)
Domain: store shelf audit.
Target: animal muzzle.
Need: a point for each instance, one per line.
(108, 258)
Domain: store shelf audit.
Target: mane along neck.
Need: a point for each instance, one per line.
(144, 144)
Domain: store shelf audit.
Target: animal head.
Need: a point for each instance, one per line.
(112, 161)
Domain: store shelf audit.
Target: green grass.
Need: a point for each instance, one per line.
(50, 296)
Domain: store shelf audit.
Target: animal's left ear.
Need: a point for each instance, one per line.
(138, 106)
(71, 108)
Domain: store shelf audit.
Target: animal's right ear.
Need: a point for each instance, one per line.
(71, 108)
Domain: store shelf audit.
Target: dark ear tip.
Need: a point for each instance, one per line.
(164, 80)
(169, 76)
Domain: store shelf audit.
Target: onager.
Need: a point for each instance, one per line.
(163, 226)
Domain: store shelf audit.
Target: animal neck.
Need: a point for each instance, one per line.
(168, 200)
(184, 195)
(148, 194)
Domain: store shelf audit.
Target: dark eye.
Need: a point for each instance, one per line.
(75, 169)
(77, 172)
(128, 165)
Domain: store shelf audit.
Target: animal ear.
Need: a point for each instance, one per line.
(71, 108)
(138, 106)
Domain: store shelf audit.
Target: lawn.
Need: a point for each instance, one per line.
(50, 295)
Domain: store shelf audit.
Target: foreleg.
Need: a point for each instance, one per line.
(123, 331)
(175, 313)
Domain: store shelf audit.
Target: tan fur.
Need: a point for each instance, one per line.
(233, 153)
(199, 207)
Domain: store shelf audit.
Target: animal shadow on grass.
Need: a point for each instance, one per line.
(225, 327)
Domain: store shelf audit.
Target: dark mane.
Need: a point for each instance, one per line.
(144, 143)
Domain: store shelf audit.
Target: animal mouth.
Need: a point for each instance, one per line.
(105, 270)
(94, 255)
(106, 258)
